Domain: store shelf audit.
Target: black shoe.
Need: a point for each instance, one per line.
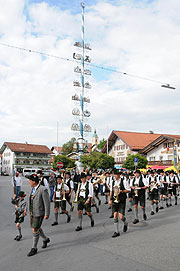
(157, 209)
(85, 214)
(45, 243)
(68, 218)
(175, 203)
(106, 202)
(125, 227)
(18, 237)
(167, 205)
(161, 207)
(54, 223)
(115, 234)
(170, 204)
(129, 210)
(111, 216)
(15, 238)
(152, 213)
(92, 223)
(109, 207)
(79, 228)
(97, 210)
(99, 202)
(32, 252)
(136, 221)
(145, 216)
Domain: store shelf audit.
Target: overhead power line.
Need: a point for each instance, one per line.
(89, 64)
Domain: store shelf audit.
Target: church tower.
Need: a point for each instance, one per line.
(95, 139)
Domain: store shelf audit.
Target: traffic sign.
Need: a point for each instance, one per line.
(135, 161)
(59, 164)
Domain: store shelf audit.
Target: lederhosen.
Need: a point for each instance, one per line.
(58, 200)
(82, 200)
(172, 189)
(35, 222)
(121, 205)
(165, 186)
(153, 195)
(141, 193)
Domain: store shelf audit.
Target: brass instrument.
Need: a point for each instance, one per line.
(153, 186)
(63, 190)
(77, 193)
(116, 193)
(99, 179)
(136, 190)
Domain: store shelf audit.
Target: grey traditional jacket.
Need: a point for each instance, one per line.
(41, 202)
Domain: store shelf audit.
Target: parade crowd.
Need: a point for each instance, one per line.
(83, 190)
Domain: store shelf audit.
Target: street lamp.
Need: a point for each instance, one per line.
(167, 86)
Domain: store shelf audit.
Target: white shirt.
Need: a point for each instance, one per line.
(107, 181)
(117, 183)
(82, 192)
(71, 183)
(137, 181)
(18, 181)
(59, 186)
(153, 179)
(45, 182)
(171, 179)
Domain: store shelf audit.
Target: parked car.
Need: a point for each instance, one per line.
(4, 174)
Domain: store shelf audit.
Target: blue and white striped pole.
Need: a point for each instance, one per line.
(81, 121)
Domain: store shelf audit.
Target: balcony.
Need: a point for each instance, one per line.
(161, 163)
(32, 157)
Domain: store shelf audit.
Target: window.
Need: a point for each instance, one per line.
(152, 158)
(170, 157)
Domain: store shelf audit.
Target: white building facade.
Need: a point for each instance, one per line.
(18, 156)
(120, 151)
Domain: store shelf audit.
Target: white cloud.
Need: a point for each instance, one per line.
(36, 91)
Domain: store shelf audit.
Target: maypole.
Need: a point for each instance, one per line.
(82, 85)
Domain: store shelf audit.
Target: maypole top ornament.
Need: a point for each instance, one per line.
(83, 5)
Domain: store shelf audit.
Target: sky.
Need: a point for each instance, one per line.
(137, 37)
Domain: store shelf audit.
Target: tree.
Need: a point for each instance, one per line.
(101, 144)
(129, 163)
(97, 160)
(67, 162)
(68, 147)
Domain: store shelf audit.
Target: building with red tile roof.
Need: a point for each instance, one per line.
(18, 156)
(153, 146)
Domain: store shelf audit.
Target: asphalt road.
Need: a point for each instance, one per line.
(150, 245)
